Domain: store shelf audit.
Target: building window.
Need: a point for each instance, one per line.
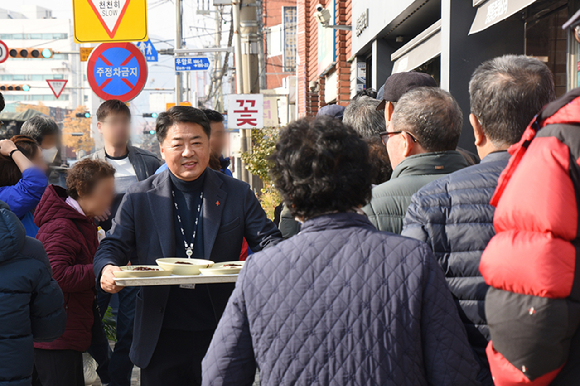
(547, 41)
(36, 36)
(34, 98)
(30, 77)
(274, 40)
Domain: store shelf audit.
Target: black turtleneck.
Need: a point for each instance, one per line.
(188, 309)
(187, 196)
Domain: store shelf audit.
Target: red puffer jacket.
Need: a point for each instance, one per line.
(70, 240)
(532, 264)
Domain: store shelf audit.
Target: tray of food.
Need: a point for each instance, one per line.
(139, 271)
(225, 268)
(175, 280)
(179, 271)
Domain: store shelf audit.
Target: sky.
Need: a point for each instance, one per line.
(198, 31)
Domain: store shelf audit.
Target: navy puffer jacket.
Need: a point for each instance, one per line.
(31, 302)
(341, 303)
(454, 217)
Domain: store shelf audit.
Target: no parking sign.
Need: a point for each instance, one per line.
(117, 71)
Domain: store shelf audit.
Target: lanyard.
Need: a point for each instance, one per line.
(188, 248)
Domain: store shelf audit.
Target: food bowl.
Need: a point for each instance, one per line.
(183, 265)
(141, 271)
(224, 268)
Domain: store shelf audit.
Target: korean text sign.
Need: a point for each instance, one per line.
(246, 111)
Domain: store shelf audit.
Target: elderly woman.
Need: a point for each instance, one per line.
(69, 235)
(340, 303)
(22, 178)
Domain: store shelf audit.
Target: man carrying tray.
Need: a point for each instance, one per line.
(186, 211)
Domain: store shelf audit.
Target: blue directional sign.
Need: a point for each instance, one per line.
(191, 64)
(149, 51)
(117, 71)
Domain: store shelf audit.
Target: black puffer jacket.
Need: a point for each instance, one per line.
(31, 302)
(454, 217)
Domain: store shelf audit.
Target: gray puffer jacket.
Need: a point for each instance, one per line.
(341, 303)
(391, 199)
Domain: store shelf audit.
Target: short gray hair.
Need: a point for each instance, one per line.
(432, 116)
(38, 127)
(506, 93)
(364, 118)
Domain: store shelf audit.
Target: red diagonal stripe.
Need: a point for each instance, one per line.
(127, 60)
(127, 82)
(105, 60)
(105, 83)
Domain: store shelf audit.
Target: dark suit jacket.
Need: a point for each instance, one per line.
(144, 227)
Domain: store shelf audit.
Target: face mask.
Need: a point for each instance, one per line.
(49, 154)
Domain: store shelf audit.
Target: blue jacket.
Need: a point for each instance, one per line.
(454, 217)
(31, 302)
(143, 230)
(341, 303)
(24, 196)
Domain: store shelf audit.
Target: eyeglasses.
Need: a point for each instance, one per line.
(385, 135)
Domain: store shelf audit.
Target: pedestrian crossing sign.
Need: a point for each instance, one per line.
(109, 21)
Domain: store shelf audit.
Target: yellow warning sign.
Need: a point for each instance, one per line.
(108, 21)
(85, 53)
(170, 105)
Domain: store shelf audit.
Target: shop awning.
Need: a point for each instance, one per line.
(424, 47)
(491, 12)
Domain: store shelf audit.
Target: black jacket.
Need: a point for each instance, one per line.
(144, 162)
(453, 216)
(144, 227)
(31, 302)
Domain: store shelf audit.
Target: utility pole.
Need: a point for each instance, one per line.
(236, 5)
(218, 105)
(236, 15)
(178, 39)
(251, 66)
(249, 37)
(261, 55)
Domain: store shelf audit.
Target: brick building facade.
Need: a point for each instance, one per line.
(318, 86)
(272, 18)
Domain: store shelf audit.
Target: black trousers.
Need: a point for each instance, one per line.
(58, 368)
(177, 359)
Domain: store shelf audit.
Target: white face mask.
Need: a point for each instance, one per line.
(49, 154)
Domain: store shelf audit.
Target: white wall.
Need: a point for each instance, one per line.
(381, 13)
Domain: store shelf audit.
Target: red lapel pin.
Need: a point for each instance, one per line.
(217, 203)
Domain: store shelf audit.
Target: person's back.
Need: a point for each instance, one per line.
(344, 304)
(390, 201)
(453, 215)
(31, 302)
(421, 140)
(341, 303)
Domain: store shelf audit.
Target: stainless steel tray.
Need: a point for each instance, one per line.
(175, 280)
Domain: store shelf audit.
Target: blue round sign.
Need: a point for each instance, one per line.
(117, 71)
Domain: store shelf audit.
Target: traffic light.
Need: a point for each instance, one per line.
(31, 53)
(85, 114)
(14, 87)
(149, 132)
(150, 115)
